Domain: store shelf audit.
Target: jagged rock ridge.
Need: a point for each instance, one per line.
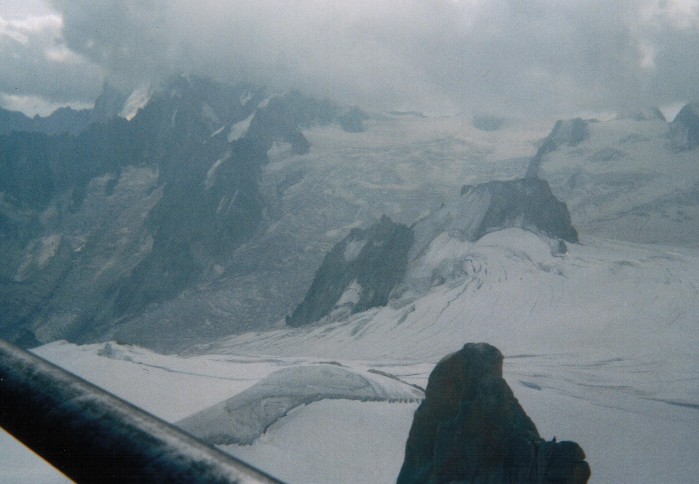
(101, 227)
(63, 120)
(569, 132)
(358, 273)
(685, 127)
(362, 270)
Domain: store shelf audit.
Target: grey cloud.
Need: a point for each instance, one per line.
(500, 56)
(35, 62)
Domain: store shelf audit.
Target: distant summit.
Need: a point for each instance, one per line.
(61, 121)
(108, 104)
(569, 132)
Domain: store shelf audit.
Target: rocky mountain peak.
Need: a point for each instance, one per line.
(525, 203)
(684, 129)
(643, 114)
(149, 200)
(358, 273)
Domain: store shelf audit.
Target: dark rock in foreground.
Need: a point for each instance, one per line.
(471, 429)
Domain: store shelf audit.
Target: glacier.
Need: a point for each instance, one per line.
(599, 344)
(599, 335)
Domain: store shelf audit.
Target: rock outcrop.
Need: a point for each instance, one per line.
(362, 270)
(63, 120)
(471, 429)
(684, 129)
(358, 273)
(570, 132)
(103, 230)
(525, 203)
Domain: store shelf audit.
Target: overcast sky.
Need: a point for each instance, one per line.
(525, 57)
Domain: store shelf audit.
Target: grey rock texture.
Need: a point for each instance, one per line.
(359, 272)
(633, 177)
(104, 230)
(63, 120)
(570, 132)
(471, 429)
(362, 270)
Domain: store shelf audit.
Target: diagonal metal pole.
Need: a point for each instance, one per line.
(93, 436)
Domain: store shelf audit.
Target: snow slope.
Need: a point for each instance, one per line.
(625, 180)
(513, 289)
(600, 346)
(244, 417)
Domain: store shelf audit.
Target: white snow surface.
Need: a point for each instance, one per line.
(242, 418)
(239, 129)
(136, 100)
(626, 181)
(599, 343)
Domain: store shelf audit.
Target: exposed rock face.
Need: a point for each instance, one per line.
(102, 229)
(525, 203)
(633, 177)
(643, 114)
(361, 271)
(358, 273)
(570, 132)
(684, 130)
(471, 429)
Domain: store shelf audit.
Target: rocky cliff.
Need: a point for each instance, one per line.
(364, 269)
(358, 273)
(632, 177)
(150, 200)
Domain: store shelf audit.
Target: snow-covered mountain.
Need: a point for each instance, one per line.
(213, 204)
(209, 211)
(634, 177)
(388, 260)
(104, 230)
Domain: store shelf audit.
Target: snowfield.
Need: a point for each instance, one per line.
(600, 345)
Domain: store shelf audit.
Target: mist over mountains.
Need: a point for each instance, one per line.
(180, 213)
(128, 213)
